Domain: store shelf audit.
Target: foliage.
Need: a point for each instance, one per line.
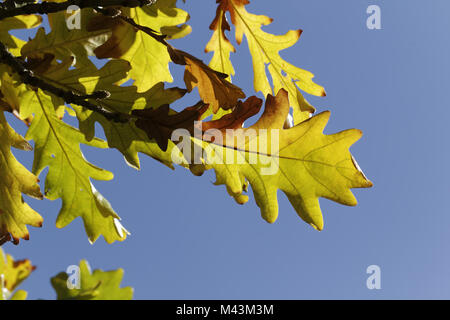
(52, 76)
(96, 285)
(15, 214)
(12, 273)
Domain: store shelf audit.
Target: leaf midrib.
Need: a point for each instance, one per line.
(61, 144)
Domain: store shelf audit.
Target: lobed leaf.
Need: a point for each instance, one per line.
(148, 57)
(69, 176)
(213, 87)
(159, 124)
(220, 45)
(12, 273)
(265, 48)
(97, 285)
(64, 43)
(125, 137)
(15, 180)
(13, 43)
(301, 161)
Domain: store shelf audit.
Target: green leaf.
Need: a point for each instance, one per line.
(69, 175)
(97, 285)
(15, 180)
(64, 43)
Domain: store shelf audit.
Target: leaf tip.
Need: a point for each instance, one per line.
(270, 216)
(241, 199)
(318, 227)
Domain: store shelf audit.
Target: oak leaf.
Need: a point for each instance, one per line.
(13, 43)
(160, 123)
(15, 180)
(57, 146)
(64, 43)
(96, 285)
(264, 48)
(148, 57)
(213, 86)
(220, 44)
(12, 273)
(235, 119)
(301, 161)
(125, 137)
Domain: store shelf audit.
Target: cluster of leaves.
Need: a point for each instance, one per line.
(133, 40)
(97, 285)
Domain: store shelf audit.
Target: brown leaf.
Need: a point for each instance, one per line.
(115, 46)
(159, 124)
(275, 111)
(234, 120)
(225, 4)
(212, 85)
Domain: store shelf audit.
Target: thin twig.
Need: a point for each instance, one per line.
(12, 8)
(152, 33)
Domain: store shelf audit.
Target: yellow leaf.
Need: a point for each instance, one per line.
(301, 161)
(125, 137)
(14, 44)
(12, 273)
(15, 179)
(265, 48)
(220, 45)
(222, 48)
(149, 58)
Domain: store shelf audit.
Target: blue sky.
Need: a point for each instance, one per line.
(191, 241)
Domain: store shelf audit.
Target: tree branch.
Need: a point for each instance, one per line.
(12, 8)
(29, 78)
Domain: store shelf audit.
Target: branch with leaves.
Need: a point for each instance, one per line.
(27, 77)
(54, 74)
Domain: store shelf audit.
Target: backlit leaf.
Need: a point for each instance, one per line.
(213, 87)
(149, 58)
(12, 273)
(265, 48)
(220, 45)
(301, 161)
(64, 43)
(69, 176)
(13, 43)
(97, 285)
(15, 180)
(125, 137)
